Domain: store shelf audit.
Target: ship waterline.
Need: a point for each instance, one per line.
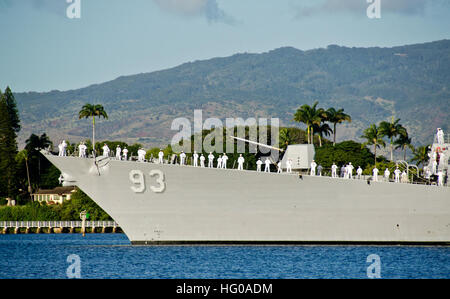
(172, 204)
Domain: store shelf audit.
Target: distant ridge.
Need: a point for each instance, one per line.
(411, 82)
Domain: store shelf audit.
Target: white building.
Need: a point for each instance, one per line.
(54, 196)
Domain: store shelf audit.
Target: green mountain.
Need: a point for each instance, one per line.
(372, 84)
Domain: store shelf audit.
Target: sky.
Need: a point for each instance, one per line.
(43, 47)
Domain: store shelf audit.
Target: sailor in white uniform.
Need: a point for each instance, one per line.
(375, 174)
(105, 150)
(82, 150)
(60, 150)
(224, 161)
(195, 158)
(334, 170)
(427, 172)
(434, 166)
(210, 160)
(397, 175)
(289, 166)
(359, 172)
(161, 156)
(219, 162)
(202, 161)
(280, 170)
(387, 173)
(343, 171)
(125, 154)
(267, 165)
(118, 152)
(404, 177)
(440, 136)
(64, 148)
(141, 155)
(313, 168)
(434, 156)
(442, 158)
(350, 170)
(241, 161)
(182, 158)
(258, 165)
(440, 175)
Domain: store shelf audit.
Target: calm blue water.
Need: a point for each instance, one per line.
(112, 256)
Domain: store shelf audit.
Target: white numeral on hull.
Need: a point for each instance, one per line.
(138, 179)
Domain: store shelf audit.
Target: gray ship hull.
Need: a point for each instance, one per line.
(218, 206)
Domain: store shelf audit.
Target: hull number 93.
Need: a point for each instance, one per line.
(137, 179)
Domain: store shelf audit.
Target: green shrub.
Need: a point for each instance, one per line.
(343, 153)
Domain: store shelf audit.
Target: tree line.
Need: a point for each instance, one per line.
(21, 171)
(317, 119)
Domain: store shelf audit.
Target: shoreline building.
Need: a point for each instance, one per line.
(54, 196)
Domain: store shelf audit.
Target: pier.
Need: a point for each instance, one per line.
(26, 227)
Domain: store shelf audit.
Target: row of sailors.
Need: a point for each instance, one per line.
(82, 148)
(397, 174)
(347, 173)
(221, 160)
(62, 147)
(346, 170)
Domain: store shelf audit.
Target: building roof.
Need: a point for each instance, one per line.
(57, 191)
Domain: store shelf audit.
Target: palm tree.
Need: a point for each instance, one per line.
(322, 129)
(402, 143)
(374, 137)
(24, 155)
(336, 117)
(285, 138)
(34, 144)
(89, 110)
(420, 154)
(309, 116)
(390, 130)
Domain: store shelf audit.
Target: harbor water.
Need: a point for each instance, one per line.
(107, 256)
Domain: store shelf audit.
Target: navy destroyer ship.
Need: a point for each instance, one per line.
(174, 204)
